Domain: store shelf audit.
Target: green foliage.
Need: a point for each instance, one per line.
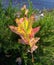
(46, 38)
(44, 55)
(7, 17)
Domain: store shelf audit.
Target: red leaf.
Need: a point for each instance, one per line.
(34, 31)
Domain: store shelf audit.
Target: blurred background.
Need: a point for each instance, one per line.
(38, 4)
